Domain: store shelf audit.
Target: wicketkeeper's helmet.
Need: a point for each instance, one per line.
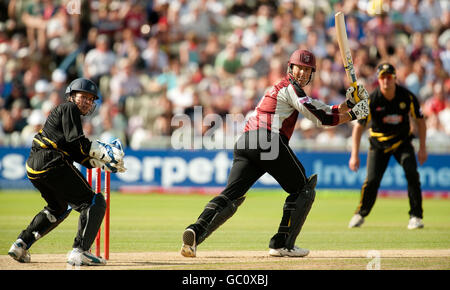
(82, 85)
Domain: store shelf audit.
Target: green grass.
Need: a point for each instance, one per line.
(155, 222)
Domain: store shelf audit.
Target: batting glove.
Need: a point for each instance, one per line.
(350, 98)
(108, 153)
(360, 110)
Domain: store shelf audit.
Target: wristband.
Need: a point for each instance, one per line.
(349, 104)
(352, 115)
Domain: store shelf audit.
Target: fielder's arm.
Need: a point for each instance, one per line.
(422, 154)
(357, 132)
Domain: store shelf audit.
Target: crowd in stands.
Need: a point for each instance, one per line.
(154, 60)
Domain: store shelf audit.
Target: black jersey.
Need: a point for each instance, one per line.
(390, 123)
(60, 140)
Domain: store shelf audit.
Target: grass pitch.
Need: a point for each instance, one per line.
(155, 222)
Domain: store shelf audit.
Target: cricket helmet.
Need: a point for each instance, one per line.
(82, 85)
(303, 57)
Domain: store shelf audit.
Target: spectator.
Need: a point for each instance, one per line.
(134, 17)
(14, 119)
(182, 96)
(416, 20)
(35, 122)
(18, 92)
(108, 18)
(33, 19)
(190, 50)
(228, 61)
(59, 36)
(199, 20)
(437, 103)
(41, 90)
(232, 59)
(99, 61)
(124, 83)
(251, 35)
(155, 58)
(416, 80)
(59, 81)
(168, 80)
(129, 40)
(211, 49)
(432, 11)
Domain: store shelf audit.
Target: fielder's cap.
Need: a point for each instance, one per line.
(385, 68)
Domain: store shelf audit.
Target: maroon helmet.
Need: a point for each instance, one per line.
(303, 57)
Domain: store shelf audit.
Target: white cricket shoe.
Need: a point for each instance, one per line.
(284, 252)
(189, 248)
(18, 252)
(356, 221)
(415, 223)
(79, 257)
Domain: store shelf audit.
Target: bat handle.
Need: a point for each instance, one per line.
(355, 92)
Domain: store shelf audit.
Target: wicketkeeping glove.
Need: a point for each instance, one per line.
(115, 167)
(110, 167)
(360, 110)
(350, 98)
(108, 153)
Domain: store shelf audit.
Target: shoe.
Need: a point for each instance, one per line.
(284, 252)
(356, 221)
(415, 223)
(84, 258)
(19, 253)
(189, 248)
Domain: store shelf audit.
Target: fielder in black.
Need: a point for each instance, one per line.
(50, 169)
(390, 135)
(263, 147)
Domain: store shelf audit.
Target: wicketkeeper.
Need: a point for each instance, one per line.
(50, 169)
(263, 148)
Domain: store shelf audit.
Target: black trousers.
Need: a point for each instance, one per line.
(256, 153)
(61, 187)
(253, 158)
(377, 162)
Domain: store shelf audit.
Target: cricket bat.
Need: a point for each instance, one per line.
(346, 55)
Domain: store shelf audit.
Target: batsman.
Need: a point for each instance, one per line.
(263, 148)
(50, 168)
